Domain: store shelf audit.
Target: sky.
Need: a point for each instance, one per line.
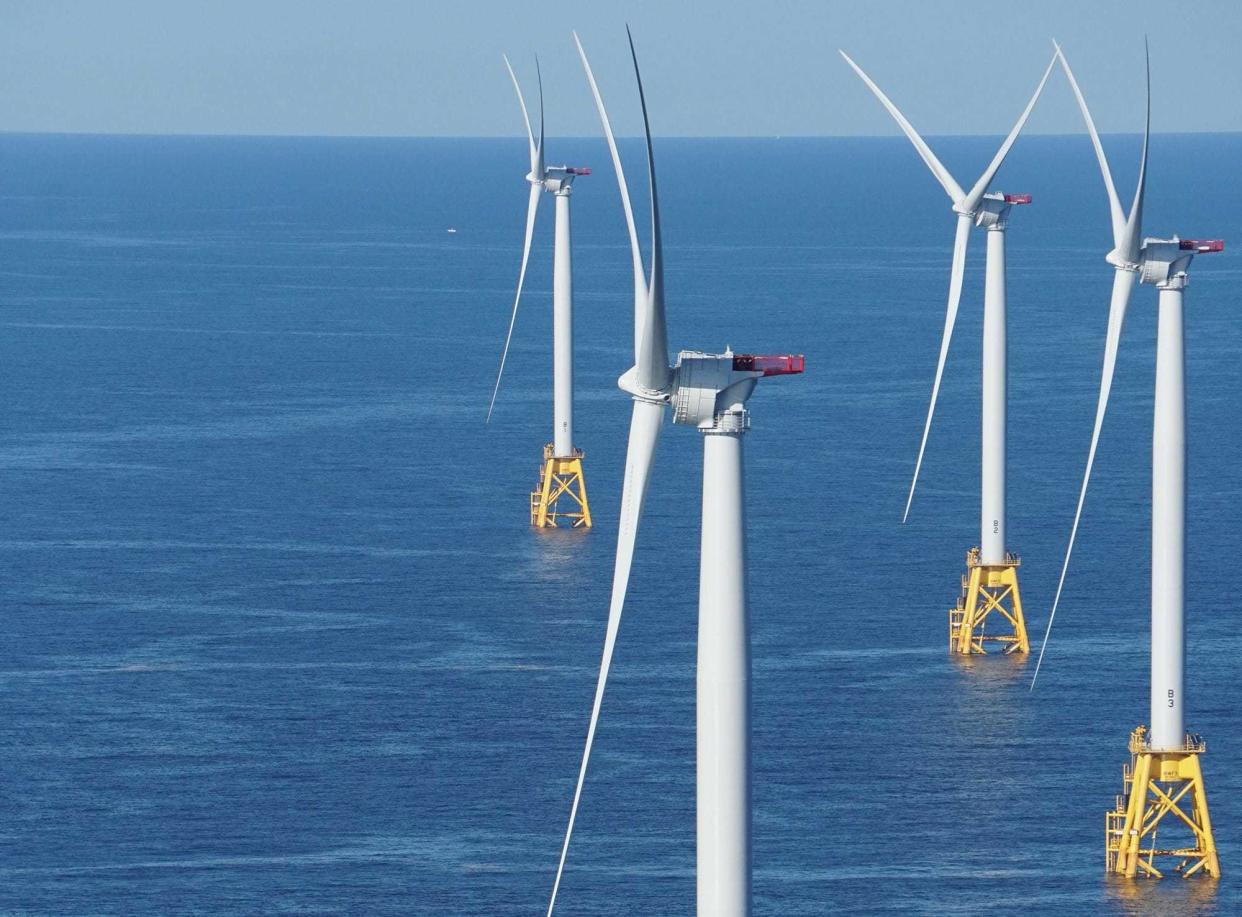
(728, 68)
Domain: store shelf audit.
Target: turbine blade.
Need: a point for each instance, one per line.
(534, 151)
(951, 187)
(950, 317)
(537, 166)
(981, 186)
(645, 424)
(640, 283)
(652, 355)
(1123, 284)
(1114, 204)
(1132, 237)
(531, 209)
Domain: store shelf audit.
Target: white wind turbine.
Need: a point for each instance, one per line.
(708, 391)
(561, 474)
(993, 583)
(1165, 754)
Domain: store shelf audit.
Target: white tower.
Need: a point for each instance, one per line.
(990, 587)
(560, 477)
(1164, 776)
(707, 391)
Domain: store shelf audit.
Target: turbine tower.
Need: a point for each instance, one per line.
(1164, 776)
(707, 391)
(560, 476)
(990, 586)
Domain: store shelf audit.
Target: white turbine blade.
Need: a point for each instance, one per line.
(1114, 203)
(1132, 236)
(531, 209)
(981, 186)
(645, 424)
(651, 358)
(640, 282)
(950, 317)
(1123, 284)
(537, 163)
(951, 187)
(530, 136)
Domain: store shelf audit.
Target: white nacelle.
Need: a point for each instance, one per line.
(1163, 260)
(705, 384)
(993, 211)
(557, 179)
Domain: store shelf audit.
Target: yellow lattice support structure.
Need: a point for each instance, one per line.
(1161, 788)
(989, 593)
(560, 480)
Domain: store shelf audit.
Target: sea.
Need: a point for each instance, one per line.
(279, 639)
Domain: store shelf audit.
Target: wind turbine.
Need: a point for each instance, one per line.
(1164, 776)
(707, 391)
(560, 474)
(991, 583)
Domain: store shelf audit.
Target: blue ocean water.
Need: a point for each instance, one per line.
(279, 640)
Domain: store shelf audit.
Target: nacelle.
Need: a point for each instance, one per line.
(1164, 261)
(993, 210)
(707, 384)
(559, 178)
(699, 379)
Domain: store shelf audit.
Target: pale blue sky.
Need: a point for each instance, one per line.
(380, 67)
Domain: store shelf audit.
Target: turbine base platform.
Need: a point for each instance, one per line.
(560, 478)
(1158, 784)
(988, 591)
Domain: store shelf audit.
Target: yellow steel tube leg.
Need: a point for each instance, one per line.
(1211, 860)
(541, 519)
(1019, 620)
(584, 521)
(962, 645)
(1127, 863)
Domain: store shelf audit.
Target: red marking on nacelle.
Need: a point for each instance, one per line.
(1017, 198)
(581, 171)
(1202, 246)
(788, 364)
